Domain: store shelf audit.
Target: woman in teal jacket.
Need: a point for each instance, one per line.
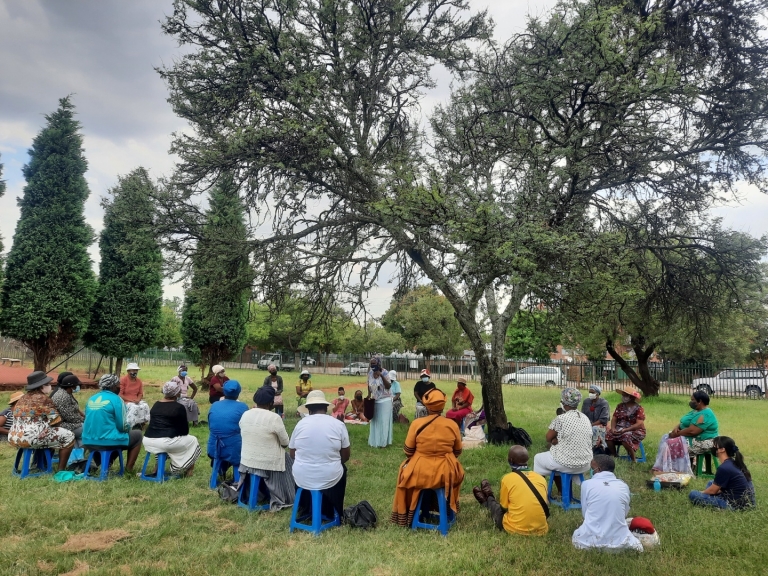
(105, 424)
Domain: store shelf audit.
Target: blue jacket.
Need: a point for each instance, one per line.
(224, 440)
(105, 423)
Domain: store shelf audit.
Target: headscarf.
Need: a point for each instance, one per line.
(108, 381)
(171, 389)
(434, 400)
(231, 389)
(271, 367)
(181, 367)
(570, 397)
(264, 395)
(596, 388)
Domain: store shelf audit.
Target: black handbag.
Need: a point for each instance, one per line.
(361, 515)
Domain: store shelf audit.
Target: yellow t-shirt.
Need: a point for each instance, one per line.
(524, 513)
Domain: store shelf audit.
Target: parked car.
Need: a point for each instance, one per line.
(536, 375)
(309, 361)
(752, 383)
(356, 369)
(279, 362)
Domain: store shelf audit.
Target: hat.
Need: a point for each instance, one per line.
(69, 381)
(596, 388)
(392, 375)
(630, 390)
(264, 395)
(434, 400)
(218, 368)
(461, 380)
(62, 375)
(134, 366)
(231, 389)
(641, 524)
(108, 381)
(305, 372)
(425, 372)
(171, 389)
(37, 380)
(316, 397)
(570, 397)
(15, 397)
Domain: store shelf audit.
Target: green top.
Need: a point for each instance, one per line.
(709, 427)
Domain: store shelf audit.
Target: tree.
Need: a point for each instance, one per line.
(215, 314)
(372, 339)
(126, 316)
(169, 333)
(2, 191)
(49, 282)
(601, 107)
(532, 334)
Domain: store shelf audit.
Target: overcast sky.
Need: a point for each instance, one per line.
(103, 53)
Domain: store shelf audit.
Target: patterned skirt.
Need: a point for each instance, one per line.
(37, 434)
(137, 413)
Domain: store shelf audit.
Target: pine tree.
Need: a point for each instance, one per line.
(126, 315)
(215, 314)
(2, 191)
(49, 283)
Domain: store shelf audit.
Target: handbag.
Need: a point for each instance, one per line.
(368, 407)
(361, 515)
(535, 492)
(229, 491)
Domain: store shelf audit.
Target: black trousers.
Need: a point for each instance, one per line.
(333, 498)
(497, 512)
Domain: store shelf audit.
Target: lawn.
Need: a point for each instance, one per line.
(181, 527)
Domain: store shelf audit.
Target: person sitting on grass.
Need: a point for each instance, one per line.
(432, 446)
(168, 432)
(6, 416)
(106, 425)
(303, 388)
(627, 424)
(732, 487)
(224, 439)
(263, 453)
(35, 418)
(319, 447)
(340, 404)
(570, 440)
(462, 402)
(604, 506)
(357, 408)
(519, 510)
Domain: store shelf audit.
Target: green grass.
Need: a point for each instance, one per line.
(182, 528)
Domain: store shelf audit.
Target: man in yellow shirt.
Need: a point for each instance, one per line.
(518, 510)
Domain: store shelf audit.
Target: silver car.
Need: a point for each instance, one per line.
(356, 369)
(736, 381)
(536, 375)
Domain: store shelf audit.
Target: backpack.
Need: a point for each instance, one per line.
(361, 515)
(510, 434)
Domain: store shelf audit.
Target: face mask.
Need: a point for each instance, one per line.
(518, 466)
(358, 398)
(693, 404)
(47, 389)
(77, 389)
(626, 399)
(425, 378)
(341, 397)
(273, 373)
(183, 374)
(592, 396)
(132, 374)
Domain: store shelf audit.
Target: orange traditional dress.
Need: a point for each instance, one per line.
(432, 445)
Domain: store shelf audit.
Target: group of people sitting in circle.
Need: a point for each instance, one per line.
(254, 441)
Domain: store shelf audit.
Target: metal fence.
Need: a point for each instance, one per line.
(674, 377)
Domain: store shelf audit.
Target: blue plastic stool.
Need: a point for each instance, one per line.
(217, 471)
(254, 482)
(43, 458)
(639, 459)
(446, 517)
(105, 454)
(567, 500)
(161, 476)
(317, 525)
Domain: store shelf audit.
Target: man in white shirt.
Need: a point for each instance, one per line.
(319, 446)
(604, 506)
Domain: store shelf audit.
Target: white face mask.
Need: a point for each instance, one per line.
(341, 397)
(47, 389)
(592, 396)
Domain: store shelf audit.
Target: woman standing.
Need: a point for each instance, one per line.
(732, 487)
(168, 432)
(379, 388)
(185, 383)
(627, 424)
(276, 381)
(599, 412)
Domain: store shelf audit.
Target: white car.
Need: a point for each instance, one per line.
(737, 381)
(356, 369)
(536, 375)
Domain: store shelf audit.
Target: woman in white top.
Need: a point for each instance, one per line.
(263, 452)
(183, 380)
(380, 389)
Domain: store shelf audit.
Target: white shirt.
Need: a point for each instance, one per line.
(376, 386)
(574, 440)
(264, 439)
(604, 506)
(318, 439)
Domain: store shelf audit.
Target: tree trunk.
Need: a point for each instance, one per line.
(647, 384)
(297, 360)
(118, 366)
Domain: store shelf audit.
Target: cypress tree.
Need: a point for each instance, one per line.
(2, 191)
(215, 314)
(49, 282)
(125, 318)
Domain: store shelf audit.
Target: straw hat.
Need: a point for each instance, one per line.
(15, 397)
(316, 397)
(630, 390)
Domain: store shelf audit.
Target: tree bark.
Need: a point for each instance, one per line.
(647, 384)
(118, 366)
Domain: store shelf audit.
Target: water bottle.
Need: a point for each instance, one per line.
(656, 485)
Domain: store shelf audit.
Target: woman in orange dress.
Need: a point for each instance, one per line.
(431, 447)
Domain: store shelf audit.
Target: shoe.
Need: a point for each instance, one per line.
(479, 495)
(485, 486)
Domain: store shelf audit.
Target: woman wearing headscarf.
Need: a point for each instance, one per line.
(599, 412)
(224, 441)
(627, 424)
(216, 384)
(276, 381)
(431, 448)
(380, 389)
(570, 440)
(185, 383)
(168, 432)
(264, 442)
